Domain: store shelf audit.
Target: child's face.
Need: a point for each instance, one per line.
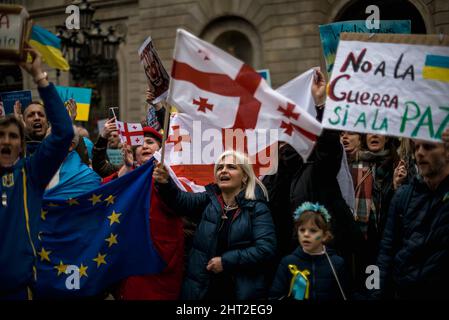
(311, 237)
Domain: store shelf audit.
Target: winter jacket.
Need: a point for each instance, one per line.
(252, 241)
(414, 251)
(100, 162)
(323, 285)
(23, 185)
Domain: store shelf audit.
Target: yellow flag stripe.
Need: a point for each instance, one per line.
(52, 56)
(82, 111)
(435, 73)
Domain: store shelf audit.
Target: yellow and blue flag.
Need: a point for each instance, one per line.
(436, 68)
(88, 243)
(82, 97)
(49, 45)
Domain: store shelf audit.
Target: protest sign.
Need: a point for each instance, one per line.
(330, 34)
(158, 79)
(390, 84)
(10, 98)
(15, 28)
(82, 98)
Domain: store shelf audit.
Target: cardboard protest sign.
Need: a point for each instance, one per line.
(330, 34)
(265, 73)
(10, 98)
(82, 98)
(15, 28)
(158, 79)
(390, 84)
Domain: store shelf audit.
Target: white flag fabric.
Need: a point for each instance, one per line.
(213, 86)
(192, 148)
(131, 133)
(299, 90)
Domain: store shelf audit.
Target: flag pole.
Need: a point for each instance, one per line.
(164, 137)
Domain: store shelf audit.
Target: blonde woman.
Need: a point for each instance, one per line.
(235, 237)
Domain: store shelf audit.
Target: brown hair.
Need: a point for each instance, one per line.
(316, 218)
(12, 120)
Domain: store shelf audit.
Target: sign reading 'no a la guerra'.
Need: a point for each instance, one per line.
(396, 85)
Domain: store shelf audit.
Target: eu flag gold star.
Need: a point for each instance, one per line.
(109, 200)
(94, 199)
(112, 239)
(83, 270)
(114, 217)
(44, 255)
(43, 214)
(61, 268)
(72, 202)
(100, 259)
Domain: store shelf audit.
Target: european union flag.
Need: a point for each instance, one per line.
(103, 236)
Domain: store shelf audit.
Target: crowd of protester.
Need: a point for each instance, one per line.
(243, 238)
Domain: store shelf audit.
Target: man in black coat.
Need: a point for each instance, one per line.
(414, 252)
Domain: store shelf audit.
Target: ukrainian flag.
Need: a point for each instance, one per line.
(49, 46)
(436, 68)
(82, 97)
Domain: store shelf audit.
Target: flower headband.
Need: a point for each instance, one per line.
(315, 207)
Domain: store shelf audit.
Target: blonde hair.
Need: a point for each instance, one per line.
(243, 161)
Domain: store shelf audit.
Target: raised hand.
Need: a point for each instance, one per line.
(160, 174)
(127, 153)
(400, 173)
(18, 112)
(109, 126)
(319, 88)
(72, 109)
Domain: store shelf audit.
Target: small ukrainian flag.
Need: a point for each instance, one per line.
(436, 68)
(49, 46)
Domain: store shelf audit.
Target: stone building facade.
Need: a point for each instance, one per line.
(279, 35)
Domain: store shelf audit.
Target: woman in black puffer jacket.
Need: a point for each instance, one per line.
(235, 238)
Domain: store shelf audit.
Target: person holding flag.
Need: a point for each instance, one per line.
(166, 228)
(23, 183)
(235, 239)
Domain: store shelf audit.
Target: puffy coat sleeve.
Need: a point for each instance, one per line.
(183, 203)
(264, 243)
(100, 163)
(390, 239)
(281, 283)
(44, 163)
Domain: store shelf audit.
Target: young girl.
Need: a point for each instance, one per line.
(312, 271)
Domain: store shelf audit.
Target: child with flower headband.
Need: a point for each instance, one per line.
(312, 271)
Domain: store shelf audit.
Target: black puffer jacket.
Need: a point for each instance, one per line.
(252, 241)
(323, 285)
(414, 252)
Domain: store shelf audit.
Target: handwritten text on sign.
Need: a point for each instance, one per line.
(387, 88)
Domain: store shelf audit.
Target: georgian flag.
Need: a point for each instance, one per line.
(213, 86)
(130, 133)
(192, 148)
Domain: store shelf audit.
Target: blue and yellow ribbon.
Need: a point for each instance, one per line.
(296, 273)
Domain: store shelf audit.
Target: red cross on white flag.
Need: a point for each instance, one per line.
(224, 92)
(131, 133)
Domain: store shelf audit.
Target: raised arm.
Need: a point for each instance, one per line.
(46, 160)
(100, 163)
